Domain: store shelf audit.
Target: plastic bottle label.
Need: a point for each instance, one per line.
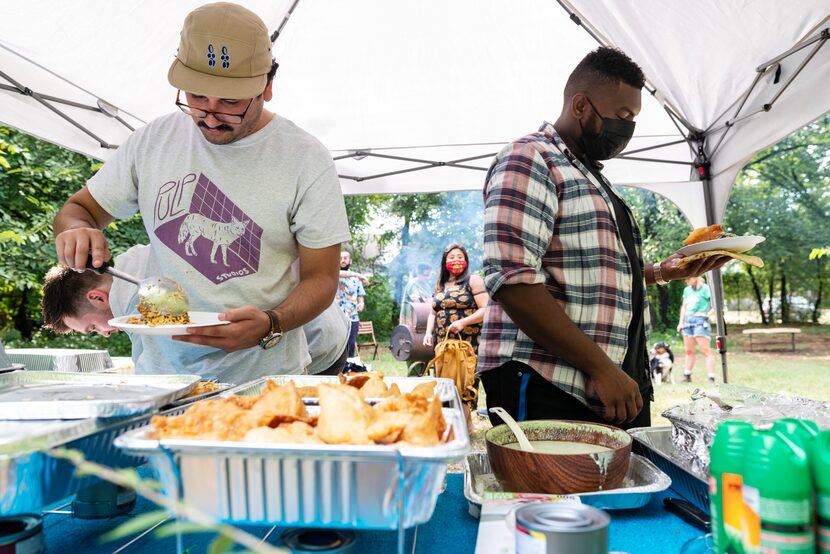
(786, 526)
(752, 519)
(733, 506)
(823, 509)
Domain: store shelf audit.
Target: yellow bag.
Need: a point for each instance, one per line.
(455, 359)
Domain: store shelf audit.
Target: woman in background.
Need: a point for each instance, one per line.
(458, 300)
(694, 324)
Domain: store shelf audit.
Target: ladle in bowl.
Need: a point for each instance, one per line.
(164, 295)
(521, 438)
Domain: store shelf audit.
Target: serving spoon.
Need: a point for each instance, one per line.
(521, 438)
(164, 296)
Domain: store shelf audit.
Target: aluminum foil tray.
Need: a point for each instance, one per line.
(444, 388)
(338, 486)
(38, 395)
(183, 401)
(640, 484)
(31, 479)
(61, 359)
(656, 444)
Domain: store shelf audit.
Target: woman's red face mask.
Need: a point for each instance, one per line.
(456, 267)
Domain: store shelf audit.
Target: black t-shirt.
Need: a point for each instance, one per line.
(635, 363)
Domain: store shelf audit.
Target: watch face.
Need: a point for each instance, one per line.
(271, 340)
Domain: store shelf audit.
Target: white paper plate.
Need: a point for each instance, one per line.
(730, 244)
(197, 319)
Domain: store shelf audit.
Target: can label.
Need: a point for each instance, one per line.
(529, 541)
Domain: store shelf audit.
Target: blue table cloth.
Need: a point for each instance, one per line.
(650, 529)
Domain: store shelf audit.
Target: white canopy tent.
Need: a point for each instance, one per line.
(418, 96)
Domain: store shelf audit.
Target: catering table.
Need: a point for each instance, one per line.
(650, 529)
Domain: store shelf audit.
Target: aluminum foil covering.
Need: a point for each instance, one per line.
(694, 423)
(61, 359)
(39, 395)
(222, 387)
(307, 485)
(690, 482)
(641, 482)
(444, 388)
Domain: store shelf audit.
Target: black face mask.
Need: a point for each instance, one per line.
(345, 267)
(612, 138)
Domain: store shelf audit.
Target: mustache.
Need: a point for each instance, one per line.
(222, 127)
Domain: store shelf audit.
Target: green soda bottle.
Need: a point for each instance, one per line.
(821, 472)
(726, 460)
(777, 495)
(802, 431)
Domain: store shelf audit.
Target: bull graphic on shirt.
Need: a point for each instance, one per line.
(218, 233)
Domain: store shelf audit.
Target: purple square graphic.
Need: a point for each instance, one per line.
(215, 237)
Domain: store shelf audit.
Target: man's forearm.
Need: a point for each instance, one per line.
(308, 300)
(544, 320)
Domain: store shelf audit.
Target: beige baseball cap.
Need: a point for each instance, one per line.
(224, 51)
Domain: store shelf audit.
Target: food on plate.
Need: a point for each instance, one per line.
(278, 415)
(701, 234)
(203, 387)
(151, 313)
(746, 258)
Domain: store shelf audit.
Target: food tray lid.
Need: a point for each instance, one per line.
(643, 478)
(61, 359)
(659, 440)
(39, 395)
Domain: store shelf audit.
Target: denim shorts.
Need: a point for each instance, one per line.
(697, 326)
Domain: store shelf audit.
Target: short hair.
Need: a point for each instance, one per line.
(349, 254)
(272, 71)
(604, 66)
(64, 295)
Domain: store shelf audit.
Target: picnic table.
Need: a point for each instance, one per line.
(771, 331)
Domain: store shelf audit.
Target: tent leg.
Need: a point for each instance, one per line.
(720, 341)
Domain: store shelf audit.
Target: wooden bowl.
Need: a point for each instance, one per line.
(522, 471)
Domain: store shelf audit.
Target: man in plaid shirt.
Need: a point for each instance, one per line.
(565, 334)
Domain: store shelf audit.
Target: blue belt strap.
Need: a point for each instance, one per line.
(522, 396)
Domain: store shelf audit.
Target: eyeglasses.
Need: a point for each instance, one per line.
(223, 117)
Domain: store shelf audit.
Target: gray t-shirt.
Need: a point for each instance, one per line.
(327, 336)
(225, 222)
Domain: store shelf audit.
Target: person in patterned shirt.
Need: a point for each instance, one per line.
(349, 297)
(564, 335)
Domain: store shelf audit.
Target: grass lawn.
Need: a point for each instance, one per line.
(805, 372)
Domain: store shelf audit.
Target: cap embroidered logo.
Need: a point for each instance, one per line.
(226, 58)
(211, 56)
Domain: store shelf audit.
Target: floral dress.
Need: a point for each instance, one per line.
(455, 302)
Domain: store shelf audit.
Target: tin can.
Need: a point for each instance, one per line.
(21, 534)
(318, 541)
(559, 528)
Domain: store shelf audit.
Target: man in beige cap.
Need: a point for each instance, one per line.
(231, 195)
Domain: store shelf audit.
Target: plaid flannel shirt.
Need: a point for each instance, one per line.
(547, 220)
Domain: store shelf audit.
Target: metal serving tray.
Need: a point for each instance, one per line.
(61, 359)
(183, 401)
(31, 479)
(345, 486)
(640, 484)
(41, 395)
(444, 388)
(656, 444)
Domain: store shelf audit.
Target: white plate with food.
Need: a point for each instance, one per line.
(730, 244)
(197, 319)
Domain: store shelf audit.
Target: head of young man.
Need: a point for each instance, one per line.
(345, 260)
(602, 98)
(75, 301)
(224, 71)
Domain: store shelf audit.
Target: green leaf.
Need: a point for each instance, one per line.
(4, 163)
(220, 545)
(135, 525)
(183, 527)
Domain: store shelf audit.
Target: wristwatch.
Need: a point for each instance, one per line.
(274, 336)
(658, 274)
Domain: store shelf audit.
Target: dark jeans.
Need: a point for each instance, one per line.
(353, 338)
(542, 399)
(338, 365)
